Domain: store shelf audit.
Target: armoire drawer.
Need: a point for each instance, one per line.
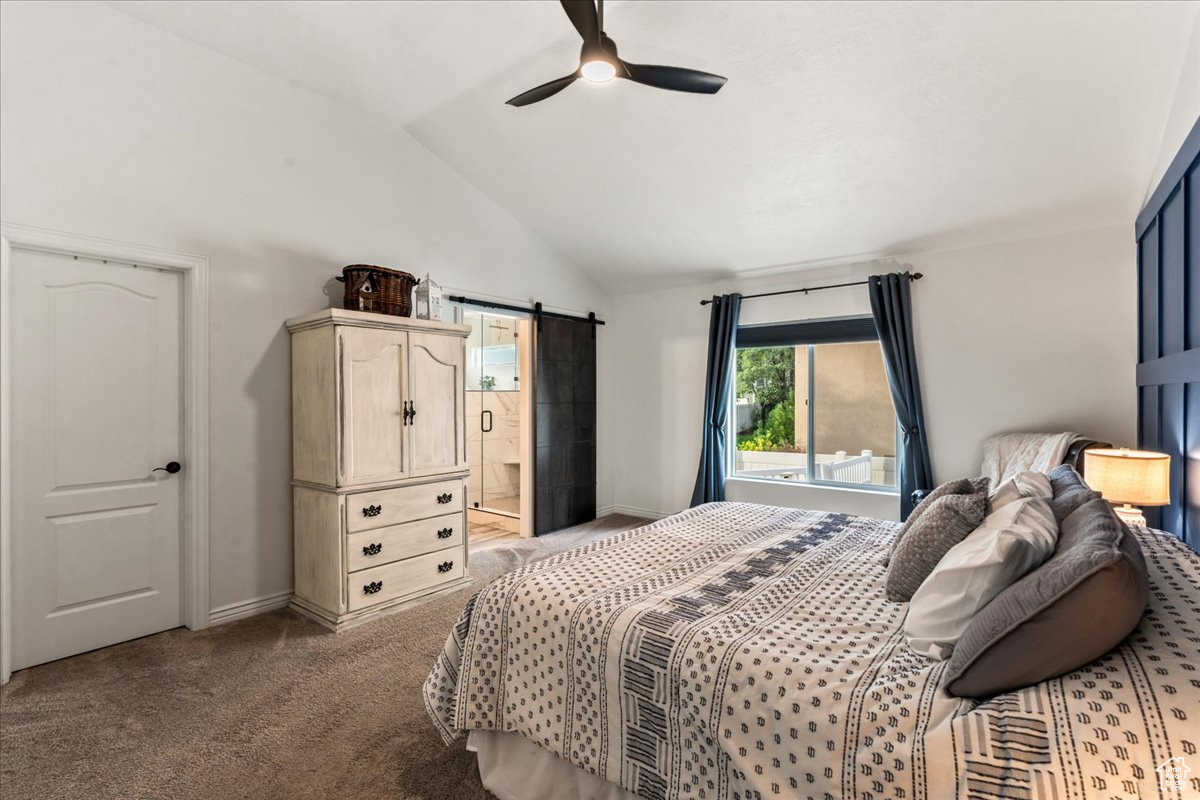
(378, 584)
(369, 510)
(380, 546)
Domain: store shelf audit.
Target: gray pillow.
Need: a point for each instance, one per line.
(1067, 613)
(959, 486)
(1064, 477)
(1070, 492)
(945, 522)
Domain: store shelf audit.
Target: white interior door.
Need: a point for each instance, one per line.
(96, 406)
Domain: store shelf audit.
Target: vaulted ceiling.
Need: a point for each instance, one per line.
(845, 129)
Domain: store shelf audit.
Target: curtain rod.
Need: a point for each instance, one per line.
(536, 309)
(913, 276)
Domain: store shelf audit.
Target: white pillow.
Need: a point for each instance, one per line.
(1011, 541)
(1023, 484)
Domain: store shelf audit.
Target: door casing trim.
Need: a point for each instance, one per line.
(194, 531)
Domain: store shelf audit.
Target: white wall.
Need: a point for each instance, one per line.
(112, 128)
(1031, 335)
(1185, 108)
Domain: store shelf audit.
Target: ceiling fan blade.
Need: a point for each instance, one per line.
(677, 79)
(548, 89)
(583, 17)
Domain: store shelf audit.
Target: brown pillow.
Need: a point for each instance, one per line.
(944, 523)
(1070, 492)
(959, 486)
(1068, 612)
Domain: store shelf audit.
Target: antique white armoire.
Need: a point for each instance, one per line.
(378, 462)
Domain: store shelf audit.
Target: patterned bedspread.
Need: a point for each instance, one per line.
(744, 652)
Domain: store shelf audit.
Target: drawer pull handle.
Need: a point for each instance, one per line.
(372, 511)
(445, 533)
(372, 587)
(445, 498)
(445, 566)
(373, 549)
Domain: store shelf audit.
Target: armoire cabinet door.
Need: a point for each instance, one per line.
(436, 394)
(373, 370)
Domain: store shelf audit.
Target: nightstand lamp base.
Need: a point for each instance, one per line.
(1130, 515)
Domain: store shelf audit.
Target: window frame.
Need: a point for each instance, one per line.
(810, 333)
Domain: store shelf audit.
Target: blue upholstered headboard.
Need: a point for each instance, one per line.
(1168, 372)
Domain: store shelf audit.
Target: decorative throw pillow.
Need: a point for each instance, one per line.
(959, 486)
(1069, 491)
(1023, 484)
(944, 523)
(1010, 542)
(1066, 613)
(1064, 477)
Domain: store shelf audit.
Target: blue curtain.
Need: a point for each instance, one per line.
(722, 337)
(891, 306)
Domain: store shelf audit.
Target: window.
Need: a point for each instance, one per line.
(812, 405)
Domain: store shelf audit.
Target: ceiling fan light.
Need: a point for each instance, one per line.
(598, 71)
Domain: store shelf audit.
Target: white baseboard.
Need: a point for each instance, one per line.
(248, 608)
(631, 511)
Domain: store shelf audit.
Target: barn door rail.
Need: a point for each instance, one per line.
(536, 310)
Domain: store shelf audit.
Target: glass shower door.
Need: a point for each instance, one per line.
(493, 392)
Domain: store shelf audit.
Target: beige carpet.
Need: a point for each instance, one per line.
(268, 707)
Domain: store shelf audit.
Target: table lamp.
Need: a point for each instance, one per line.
(1129, 477)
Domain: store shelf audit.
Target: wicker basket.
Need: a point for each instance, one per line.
(377, 289)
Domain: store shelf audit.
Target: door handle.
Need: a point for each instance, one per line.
(488, 429)
(171, 468)
(407, 413)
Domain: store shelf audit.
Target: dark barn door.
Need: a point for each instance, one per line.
(1168, 373)
(565, 434)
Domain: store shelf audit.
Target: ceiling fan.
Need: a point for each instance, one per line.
(598, 62)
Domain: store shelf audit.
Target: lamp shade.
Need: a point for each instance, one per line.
(1136, 477)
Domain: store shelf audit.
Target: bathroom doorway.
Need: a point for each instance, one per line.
(499, 441)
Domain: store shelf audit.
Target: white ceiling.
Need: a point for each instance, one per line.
(845, 129)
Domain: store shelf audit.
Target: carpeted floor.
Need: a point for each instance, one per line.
(268, 707)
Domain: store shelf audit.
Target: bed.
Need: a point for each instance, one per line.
(738, 651)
